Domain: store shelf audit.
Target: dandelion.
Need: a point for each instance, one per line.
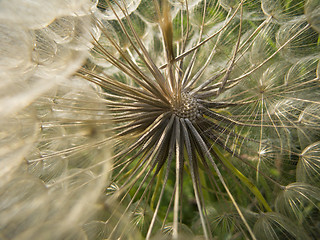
(215, 128)
(208, 94)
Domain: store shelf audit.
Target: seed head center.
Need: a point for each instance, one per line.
(185, 107)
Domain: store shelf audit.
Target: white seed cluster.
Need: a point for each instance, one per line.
(185, 107)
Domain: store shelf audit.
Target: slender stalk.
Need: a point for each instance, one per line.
(243, 179)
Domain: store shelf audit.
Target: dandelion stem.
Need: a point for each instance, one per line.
(243, 179)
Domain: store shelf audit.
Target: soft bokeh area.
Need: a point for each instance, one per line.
(54, 159)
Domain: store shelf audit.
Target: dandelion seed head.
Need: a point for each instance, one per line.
(210, 107)
(218, 76)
